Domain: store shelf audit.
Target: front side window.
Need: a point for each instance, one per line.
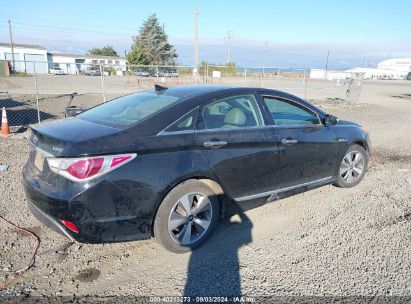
(128, 110)
(285, 113)
(232, 112)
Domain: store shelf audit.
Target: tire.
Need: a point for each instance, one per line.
(179, 230)
(353, 167)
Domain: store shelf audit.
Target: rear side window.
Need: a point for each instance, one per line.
(285, 113)
(232, 112)
(128, 110)
(185, 123)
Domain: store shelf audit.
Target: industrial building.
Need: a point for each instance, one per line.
(378, 73)
(391, 69)
(73, 64)
(24, 57)
(396, 64)
(327, 74)
(34, 58)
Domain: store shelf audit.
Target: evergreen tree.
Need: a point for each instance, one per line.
(151, 46)
(105, 51)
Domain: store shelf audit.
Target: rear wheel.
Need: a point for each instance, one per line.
(353, 167)
(186, 216)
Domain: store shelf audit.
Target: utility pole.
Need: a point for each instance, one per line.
(228, 38)
(11, 45)
(196, 39)
(326, 64)
(264, 55)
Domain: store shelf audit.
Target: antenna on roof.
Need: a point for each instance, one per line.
(159, 88)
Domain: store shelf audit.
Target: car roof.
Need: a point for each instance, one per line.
(187, 94)
(193, 90)
(189, 91)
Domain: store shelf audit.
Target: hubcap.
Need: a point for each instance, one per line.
(352, 166)
(190, 218)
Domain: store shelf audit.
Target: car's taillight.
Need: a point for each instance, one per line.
(86, 168)
(118, 160)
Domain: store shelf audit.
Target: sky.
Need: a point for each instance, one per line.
(287, 34)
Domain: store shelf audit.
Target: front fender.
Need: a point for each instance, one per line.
(348, 135)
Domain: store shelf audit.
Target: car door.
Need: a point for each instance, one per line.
(308, 149)
(236, 145)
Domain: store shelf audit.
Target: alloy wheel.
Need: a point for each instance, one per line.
(352, 167)
(190, 218)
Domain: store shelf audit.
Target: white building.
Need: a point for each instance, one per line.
(27, 58)
(379, 73)
(327, 74)
(391, 69)
(34, 58)
(396, 64)
(73, 64)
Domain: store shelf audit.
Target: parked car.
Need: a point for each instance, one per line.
(91, 72)
(168, 72)
(168, 163)
(142, 74)
(56, 71)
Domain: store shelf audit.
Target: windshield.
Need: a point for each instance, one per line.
(128, 110)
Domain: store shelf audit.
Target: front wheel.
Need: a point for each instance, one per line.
(186, 216)
(353, 167)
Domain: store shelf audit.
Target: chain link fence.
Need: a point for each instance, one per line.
(52, 91)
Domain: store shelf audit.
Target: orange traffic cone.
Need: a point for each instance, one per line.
(5, 130)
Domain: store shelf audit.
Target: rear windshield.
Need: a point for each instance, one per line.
(128, 110)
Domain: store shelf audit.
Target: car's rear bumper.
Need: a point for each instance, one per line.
(95, 222)
(48, 220)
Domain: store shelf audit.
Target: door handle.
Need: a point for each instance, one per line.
(286, 141)
(214, 144)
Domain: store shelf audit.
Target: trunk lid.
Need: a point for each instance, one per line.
(59, 137)
(64, 138)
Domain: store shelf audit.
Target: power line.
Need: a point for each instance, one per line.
(80, 30)
(67, 29)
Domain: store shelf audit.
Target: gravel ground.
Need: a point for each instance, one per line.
(329, 241)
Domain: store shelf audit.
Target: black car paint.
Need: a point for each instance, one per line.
(121, 205)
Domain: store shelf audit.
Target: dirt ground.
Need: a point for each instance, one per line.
(326, 242)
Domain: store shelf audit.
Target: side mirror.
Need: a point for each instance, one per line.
(330, 120)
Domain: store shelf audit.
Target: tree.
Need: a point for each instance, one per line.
(136, 56)
(104, 51)
(150, 46)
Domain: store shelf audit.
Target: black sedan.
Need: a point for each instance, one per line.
(169, 162)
